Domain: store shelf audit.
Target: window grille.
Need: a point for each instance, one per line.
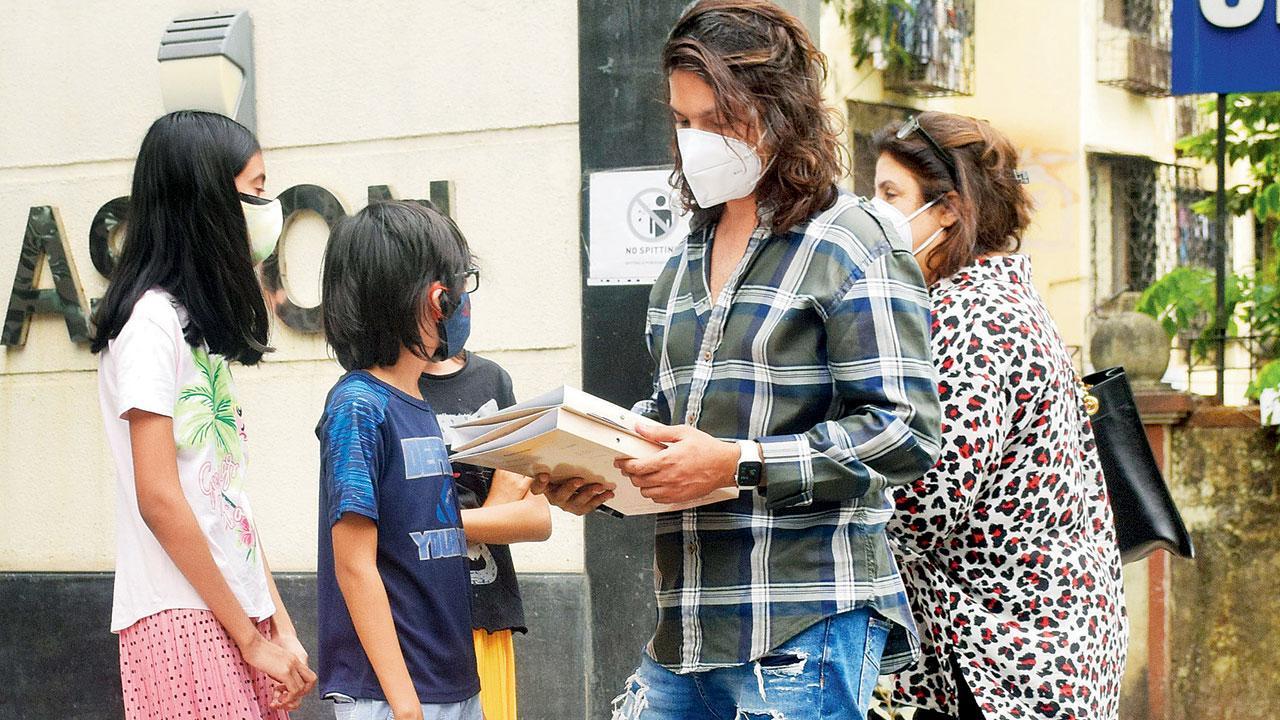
(1134, 41)
(938, 58)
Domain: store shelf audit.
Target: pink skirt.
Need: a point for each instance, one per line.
(183, 664)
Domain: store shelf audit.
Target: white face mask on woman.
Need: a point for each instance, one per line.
(718, 168)
(902, 223)
(265, 220)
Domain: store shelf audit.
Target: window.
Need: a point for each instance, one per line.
(936, 37)
(1190, 117)
(1134, 41)
(1143, 224)
(864, 120)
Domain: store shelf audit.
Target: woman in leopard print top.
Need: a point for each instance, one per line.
(1007, 546)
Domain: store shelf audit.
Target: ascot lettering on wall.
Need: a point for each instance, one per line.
(45, 243)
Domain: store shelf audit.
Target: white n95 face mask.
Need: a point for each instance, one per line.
(718, 168)
(265, 221)
(902, 223)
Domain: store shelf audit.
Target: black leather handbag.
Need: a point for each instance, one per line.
(1146, 518)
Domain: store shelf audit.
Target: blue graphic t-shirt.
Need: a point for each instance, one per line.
(382, 456)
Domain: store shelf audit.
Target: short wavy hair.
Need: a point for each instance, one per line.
(992, 208)
(765, 72)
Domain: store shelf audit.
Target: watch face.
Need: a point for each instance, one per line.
(749, 474)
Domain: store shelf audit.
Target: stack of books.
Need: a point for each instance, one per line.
(568, 434)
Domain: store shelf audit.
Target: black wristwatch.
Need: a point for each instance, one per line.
(750, 468)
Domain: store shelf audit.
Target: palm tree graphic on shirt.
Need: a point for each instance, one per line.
(207, 416)
(206, 410)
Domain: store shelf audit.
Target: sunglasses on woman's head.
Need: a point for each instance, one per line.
(912, 125)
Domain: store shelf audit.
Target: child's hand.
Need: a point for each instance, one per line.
(282, 700)
(574, 495)
(280, 665)
(293, 645)
(507, 487)
(279, 694)
(410, 711)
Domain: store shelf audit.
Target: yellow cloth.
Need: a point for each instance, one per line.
(496, 664)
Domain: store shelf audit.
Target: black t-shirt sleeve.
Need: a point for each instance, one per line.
(506, 395)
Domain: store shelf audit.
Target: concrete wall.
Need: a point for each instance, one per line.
(1224, 640)
(41, 612)
(380, 93)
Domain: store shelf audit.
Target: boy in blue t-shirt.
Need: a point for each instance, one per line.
(394, 583)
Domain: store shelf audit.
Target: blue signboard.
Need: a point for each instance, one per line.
(1225, 46)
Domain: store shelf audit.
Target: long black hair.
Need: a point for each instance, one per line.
(379, 265)
(186, 234)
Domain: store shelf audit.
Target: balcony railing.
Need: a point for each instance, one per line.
(1134, 40)
(937, 58)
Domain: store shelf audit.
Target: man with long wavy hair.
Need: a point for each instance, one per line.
(790, 334)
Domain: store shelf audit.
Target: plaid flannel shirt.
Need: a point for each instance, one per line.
(818, 348)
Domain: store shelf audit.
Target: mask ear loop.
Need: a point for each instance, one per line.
(442, 336)
(932, 238)
(446, 303)
(920, 211)
(929, 241)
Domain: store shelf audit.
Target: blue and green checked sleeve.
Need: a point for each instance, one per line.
(887, 432)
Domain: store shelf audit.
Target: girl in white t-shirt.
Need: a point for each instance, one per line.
(203, 632)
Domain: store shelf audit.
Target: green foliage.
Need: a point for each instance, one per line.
(873, 25)
(1264, 311)
(1183, 301)
(1253, 137)
(1268, 377)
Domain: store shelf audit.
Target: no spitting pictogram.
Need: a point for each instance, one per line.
(650, 215)
(635, 222)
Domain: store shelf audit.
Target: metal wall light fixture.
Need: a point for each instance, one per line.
(206, 63)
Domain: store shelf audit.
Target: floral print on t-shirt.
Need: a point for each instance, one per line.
(207, 415)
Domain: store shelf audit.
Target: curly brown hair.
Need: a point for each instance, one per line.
(993, 209)
(766, 74)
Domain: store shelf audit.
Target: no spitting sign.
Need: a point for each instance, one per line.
(635, 224)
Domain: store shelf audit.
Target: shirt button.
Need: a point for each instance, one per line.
(706, 356)
(691, 549)
(689, 420)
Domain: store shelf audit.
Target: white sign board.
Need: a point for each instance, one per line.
(635, 224)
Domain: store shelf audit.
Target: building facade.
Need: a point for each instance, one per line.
(501, 109)
(481, 96)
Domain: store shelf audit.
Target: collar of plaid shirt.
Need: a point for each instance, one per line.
(818, 348)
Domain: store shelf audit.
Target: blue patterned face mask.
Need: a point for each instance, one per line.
(453, 329)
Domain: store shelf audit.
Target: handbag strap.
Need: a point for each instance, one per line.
(1091, 403)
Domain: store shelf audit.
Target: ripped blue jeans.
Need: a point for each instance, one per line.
(827, 672)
